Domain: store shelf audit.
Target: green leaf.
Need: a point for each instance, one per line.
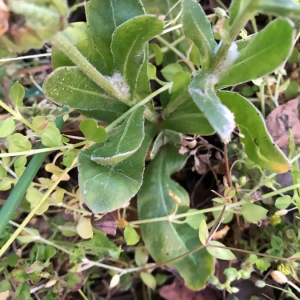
(203, 232)
(141, 256)
(151, 71)
(124, 142)
(128, 47)
(103, 17)
(101, 244)
(266, 52)
(187, 118)
(195, 220)
(78, 35)
(12, 259)
(131, 236)
(283, 202)
(163, 138)
(161, 7)
(194, 56)
(158, 53)
(17, 143)
(92, 131)
(17, 92)
(149, 280)
(126, 175)
(257, 142)
(170, 70)
(84, 228)
(197, 28)
(68, 86)
(3, 172)
(166, 240)
(220, 253)
(51, 136)
(7, 127)
(253, 213)
(22, 292)
(181, 81)
(74, 281)
(218, 115)
(5, 285)
(284, 8)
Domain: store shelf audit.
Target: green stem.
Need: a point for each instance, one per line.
(64, 45)
(176, 51)
(22, 185)
(246, 14)
(35, 209)
(17, 115)
(139, 104)
(247, 251)
(283, 190)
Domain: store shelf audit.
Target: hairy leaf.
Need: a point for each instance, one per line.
(258, 144)
(166, 240)
(197, 28)
(266, 52)
(284, 8)
(128, 46)
(68, 86)
(218, 115)
(124, 142)
(103, 17)
(106, 188)
(187, 118)
(78, 35)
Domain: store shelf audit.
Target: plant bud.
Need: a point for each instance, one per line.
(279, 277)
(281, 212)
(260, 284)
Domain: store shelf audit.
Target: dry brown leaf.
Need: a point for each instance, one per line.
(221, 233)
(283, 118)
(4, 15)
(178, 291)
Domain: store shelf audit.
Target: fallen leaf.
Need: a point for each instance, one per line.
(106, 224)
(221, 233)
(178, 291)
(283, 118)
(4, 15)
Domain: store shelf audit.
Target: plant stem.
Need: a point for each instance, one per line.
(283, 190)
(42, 150)
(247, 13)
(176, 51)
(64, 45)
(171, 29)
(17, 115)
(248, 252)
(139, 104)
(34, 210)
(22, 185)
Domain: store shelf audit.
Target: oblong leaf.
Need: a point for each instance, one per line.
(70, 87)
(196, 27)
(128, 46)
(166, 240)
(284, 8)
(218, 115)
(266, 52)
(103, 17)
(187, 118)
(106, 188)
(257, 142)
(220, 253)
(125, 141)
(78, 35)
